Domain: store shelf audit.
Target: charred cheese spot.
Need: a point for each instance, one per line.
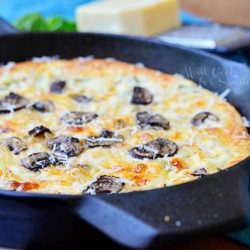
(178, 163)
(26, 186)
(75, 129)
(140, 168)
(140, 181)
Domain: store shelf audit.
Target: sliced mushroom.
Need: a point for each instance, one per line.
(106, 184)
(16, 145)
(154, 149)
(57, 87)
(65, 145)
(81, 98)
(200, 172)
(202, 117)
(141, 152)
(145, 120)
(105, 139)
(107, 134)
(141, 96)
(78, 118)
(36, 161)
(12, 102)
(44, 106)
(39, 131)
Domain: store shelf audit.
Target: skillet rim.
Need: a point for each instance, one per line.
(154, 41)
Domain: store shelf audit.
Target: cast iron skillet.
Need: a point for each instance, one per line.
(216, 203)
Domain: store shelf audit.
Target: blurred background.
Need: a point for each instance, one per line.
(218, 26)
(224, 11)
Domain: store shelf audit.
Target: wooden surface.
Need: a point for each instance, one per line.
(235, 12)
(205, 243)
(209, 243)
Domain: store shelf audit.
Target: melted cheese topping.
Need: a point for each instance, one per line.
(212, 146)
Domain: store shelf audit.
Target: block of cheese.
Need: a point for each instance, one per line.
(133, 17)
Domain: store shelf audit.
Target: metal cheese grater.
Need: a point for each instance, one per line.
(210, 37)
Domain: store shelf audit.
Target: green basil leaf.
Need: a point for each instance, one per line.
(31, 22)
(34, 22)
(59, 24)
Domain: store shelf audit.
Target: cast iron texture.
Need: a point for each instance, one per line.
(215, 203)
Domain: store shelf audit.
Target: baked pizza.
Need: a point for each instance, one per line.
(87, 126)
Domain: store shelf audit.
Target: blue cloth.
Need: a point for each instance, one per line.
(13, 9)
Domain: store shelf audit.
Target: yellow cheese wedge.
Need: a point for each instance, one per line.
(133, 17)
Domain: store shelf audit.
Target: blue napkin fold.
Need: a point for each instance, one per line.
(13, 9)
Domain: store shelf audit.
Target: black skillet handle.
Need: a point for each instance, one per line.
(216, 203)
(6, 28)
